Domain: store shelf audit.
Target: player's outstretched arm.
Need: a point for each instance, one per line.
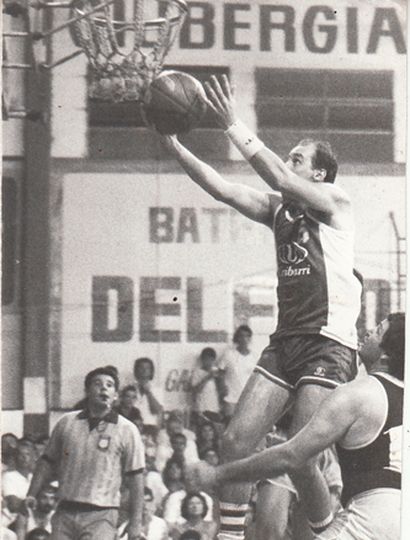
(254, 204)
(329, 424)
(269, 166)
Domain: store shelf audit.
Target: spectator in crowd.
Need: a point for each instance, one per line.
(126, 404)
(95, 443)
(237, 363)
(38, 534)
(41, 443)
(194, 508)
(207, 438)
(175, 424)
(173, 476)
(8, 452)
(179, 444)
(154, 481)
(207, 387)
(211, 457)
(146, 399)
(15, 484)
(39, 516)
(153, 527)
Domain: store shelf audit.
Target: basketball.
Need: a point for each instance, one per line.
(174, 103)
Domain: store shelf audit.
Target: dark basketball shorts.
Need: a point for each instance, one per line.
(307, 359)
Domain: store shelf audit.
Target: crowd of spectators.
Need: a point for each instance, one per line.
(172, 439)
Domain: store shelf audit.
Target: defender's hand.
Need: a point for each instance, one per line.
(221, 100)
(200, 476)
(170, 142)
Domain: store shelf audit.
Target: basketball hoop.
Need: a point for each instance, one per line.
(122, 73)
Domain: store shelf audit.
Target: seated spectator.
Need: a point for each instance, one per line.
(173, 476)
(211, 457)
(128, 397)
(40, 444)
(207, 387)
(194, 508)
(153, 527)
(175, 424)
(237, 362)
(15, 483)
(38, 534)
(8, 452)
(40, 516)
(154, 481)
(178, 445)
(146, 399)
(207, 438)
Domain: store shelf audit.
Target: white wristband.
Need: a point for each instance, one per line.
(245, 141)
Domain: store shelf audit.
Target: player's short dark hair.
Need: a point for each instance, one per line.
(144, 360)
(323, 158)
(111, 371)
(209, 352)
(190, 534)
(242, 328)
(393, 343)
(185, 502)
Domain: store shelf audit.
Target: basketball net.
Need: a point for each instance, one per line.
(116, 74)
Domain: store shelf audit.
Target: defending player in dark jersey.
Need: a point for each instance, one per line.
(364, 418)
(313, 348)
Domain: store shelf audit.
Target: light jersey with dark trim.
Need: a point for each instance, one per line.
(317, 290)
(378, 463)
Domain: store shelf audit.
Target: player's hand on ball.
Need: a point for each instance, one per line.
(200, 476)
(221, 100)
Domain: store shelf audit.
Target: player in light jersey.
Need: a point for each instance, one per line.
(313, 349)
(364, 418)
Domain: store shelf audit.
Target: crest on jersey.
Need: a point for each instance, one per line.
(292, 253)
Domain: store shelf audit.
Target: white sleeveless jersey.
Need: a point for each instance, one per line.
(318, 292)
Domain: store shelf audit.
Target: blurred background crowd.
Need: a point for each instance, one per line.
(172, 439)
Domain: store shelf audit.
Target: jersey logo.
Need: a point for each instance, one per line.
(320, 371)
(292, 253)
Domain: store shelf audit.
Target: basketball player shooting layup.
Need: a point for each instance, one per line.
(313, 348)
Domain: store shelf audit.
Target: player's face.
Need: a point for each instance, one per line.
(369, 349)
(101, 392)
(300, 161)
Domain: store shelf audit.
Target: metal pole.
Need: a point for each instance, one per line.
(398, 259)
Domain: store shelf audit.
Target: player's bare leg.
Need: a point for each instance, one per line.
(260, 405)
(310, 480)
